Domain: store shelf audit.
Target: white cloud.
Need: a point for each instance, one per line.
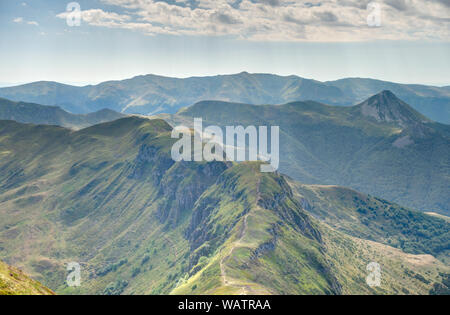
(98, 17)
(279, 20)
(21, 20)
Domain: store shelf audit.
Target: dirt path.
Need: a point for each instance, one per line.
(226, 281)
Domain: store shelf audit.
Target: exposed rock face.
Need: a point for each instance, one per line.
(305, 204)
(289, 210)
(201, 228)
(198, 231)
(14, 176)
(181, 184)
(292, 212)
(180, 195)
(146, 154)
(267, 246)
(152, 162)
(278, 198)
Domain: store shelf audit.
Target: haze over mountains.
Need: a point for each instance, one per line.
(52, 115)
(111, 198)
(153, 94)
(382, 146)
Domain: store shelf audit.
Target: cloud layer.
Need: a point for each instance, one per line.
(279, 20)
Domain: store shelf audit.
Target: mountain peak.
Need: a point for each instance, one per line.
(129, 124)
(387, 107)
(388, 94)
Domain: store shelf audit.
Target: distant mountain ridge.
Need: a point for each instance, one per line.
(52, 115)
(152, 94)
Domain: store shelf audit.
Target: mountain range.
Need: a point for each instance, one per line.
(382, 146)
(111, 198)
(52, 115)
(153, 94)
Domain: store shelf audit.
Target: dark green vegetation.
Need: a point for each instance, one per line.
(381, 146)
(111, 198)
(375, 219)
(14, 282)
(52, 115)
(155, 94)
(442, 288)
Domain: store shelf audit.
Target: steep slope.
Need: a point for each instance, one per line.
(249, 223)
(386, 107)
(52, 115)
(110, 198)
(14, 282)
(82, 197)
(153, 94)
(382, 146)
(276, 248)
(371, 218)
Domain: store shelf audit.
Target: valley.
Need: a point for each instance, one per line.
(111, 198)
(228, 155)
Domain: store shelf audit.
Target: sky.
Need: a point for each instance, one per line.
(406, 41)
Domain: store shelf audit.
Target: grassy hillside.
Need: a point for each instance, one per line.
(382, 146)
(14, 282)
(371, 218)
(277, 248)
(246, 225)
(52, 115)
(111, 198)
(401, 273)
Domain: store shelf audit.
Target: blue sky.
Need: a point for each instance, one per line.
(324, 40)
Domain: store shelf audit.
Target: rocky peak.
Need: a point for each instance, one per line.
(386, 107)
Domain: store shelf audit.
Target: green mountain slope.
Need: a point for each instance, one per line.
(375, 219)
(110, 198)
(277, 248)
(382, 146)
(15, 282)
(52, 115)
(153, 94)
(237, 225)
